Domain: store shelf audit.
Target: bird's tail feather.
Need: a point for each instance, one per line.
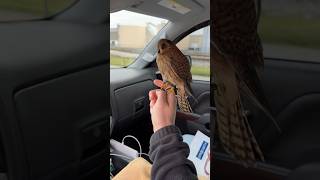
(257, 99)
(249, 94)
(251, 135)
(183, 102)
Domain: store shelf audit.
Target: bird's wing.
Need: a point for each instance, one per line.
(235, 37)
(179, 63)
(235, 30)
(237, 59)
(166, 69)
(233, 129)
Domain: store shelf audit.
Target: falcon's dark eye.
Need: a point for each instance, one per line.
(159, 51)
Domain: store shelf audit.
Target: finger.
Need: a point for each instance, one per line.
(161, 97)
(172, 100)
(152, 97)
(151, 105)
(158, 83)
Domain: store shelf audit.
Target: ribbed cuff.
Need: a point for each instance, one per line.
(172, 129)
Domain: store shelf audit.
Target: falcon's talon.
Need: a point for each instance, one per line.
(170, 84)
(166, 86)
(170, 90)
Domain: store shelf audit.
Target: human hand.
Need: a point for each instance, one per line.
(163, 106)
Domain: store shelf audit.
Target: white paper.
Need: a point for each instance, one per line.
(199, 154)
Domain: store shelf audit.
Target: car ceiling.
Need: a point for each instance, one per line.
(152, 8)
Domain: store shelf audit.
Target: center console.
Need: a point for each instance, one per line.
(120, 156)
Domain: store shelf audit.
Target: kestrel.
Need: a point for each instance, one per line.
(175, 70)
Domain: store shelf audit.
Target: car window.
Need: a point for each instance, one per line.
(17, 10)
(290, 29)
(130, 32)
(196, 45)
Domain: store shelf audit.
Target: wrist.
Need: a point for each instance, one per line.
(155, 129)
(162, 125)
(166, 130)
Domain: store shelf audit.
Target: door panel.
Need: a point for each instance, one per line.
(201, 91)
(293, 91)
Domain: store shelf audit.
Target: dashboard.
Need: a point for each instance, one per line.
(129, 88)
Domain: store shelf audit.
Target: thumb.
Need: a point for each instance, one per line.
(158, 83)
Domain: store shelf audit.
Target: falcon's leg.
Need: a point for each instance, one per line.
(168, 87)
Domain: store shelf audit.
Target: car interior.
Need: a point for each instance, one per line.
(129, 86)
(52, 95)
(289, 84)
(53, 99)
(288, 80)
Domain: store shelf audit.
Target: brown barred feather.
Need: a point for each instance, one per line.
(175, 68)
(237, 60)
(234, 132)
(183, 102)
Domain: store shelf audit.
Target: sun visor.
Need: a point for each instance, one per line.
(175, 6)
(172, 10)
(116, 5)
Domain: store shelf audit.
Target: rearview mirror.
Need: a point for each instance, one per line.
(21, 10)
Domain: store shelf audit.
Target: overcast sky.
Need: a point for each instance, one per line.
(131, 18)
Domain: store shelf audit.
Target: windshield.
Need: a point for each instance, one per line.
(130, 32)
(17, 10)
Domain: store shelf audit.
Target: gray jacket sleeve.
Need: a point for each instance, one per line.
(169, 156)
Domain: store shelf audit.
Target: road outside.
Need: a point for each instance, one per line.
(195, 77)
(201, 61)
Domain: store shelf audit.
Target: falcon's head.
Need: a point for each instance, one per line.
(164, 44)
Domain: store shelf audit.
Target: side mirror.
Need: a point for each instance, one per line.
(189, 59)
